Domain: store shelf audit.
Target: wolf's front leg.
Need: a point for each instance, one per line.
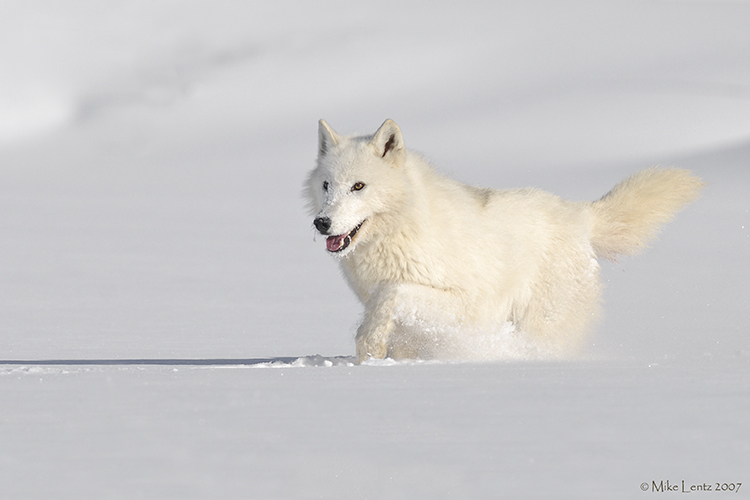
(374, 332)
(418, 304)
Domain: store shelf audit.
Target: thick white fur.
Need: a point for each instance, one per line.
(449, 270)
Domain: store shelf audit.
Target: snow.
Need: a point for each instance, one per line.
(170, 328)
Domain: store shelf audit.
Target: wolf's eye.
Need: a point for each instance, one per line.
(325, 185)
(357, 186)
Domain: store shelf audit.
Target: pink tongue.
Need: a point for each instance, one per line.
(333, 243)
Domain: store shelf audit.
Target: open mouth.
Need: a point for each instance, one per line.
(341, 241)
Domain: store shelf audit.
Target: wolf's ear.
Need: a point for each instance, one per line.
(326, 138)
(388, 142)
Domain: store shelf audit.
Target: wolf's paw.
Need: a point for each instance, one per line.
(370, 348)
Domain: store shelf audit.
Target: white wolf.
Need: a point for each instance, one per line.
(439, 264)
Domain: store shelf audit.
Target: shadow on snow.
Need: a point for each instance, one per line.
(315, 360)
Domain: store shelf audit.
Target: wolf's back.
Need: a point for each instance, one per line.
(634, 211)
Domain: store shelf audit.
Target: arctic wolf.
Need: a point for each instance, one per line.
(437, 262)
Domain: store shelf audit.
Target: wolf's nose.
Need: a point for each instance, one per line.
(322, 224)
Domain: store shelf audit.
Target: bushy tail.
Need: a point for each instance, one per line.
(633, 212)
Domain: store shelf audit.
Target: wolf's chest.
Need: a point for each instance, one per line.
(365, 270)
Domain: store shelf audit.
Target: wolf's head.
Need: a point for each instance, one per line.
(357, 181)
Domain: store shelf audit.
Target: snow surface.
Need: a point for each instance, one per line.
(170, 328)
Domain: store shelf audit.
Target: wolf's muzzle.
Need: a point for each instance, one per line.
(322, 224)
